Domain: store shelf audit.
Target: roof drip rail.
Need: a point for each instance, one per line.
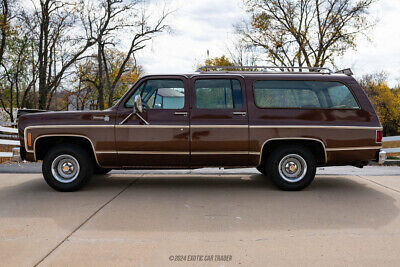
(228, 69)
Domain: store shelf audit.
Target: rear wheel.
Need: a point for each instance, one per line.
(67, 167)
(291, 167)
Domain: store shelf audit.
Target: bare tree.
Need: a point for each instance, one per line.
(50, 36)
(305, 32)
(86, 77)
(17, 75)
(54, 26)
(83, 95)
(114, 18)
(242, 54)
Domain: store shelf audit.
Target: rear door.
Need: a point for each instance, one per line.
(218, 121)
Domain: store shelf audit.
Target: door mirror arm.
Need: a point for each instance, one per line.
(140, 117)
(137, 108)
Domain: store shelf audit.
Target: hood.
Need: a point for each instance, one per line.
(66, 118)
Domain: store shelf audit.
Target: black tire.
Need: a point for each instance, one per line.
(72, 155)
(294, 156)
(261, 169)
(100, 171)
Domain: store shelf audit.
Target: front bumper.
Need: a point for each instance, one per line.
(381, 157)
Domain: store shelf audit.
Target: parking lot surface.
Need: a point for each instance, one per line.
(239, 219)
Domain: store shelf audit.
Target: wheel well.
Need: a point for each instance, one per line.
(316, 147)
(44, 144)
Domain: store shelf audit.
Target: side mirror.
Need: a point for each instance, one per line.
(138, 107)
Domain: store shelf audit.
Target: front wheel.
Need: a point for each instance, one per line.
(291, 167)
(67, 167)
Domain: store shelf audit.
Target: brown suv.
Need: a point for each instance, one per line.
(283, 123)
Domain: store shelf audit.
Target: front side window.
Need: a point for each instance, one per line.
(303, 94)
(160, 94)
(218, 94)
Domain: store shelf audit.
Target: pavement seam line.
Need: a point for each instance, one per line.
(86, 220)
(387, 187)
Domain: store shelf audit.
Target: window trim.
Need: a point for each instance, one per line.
(305, 108)
(128, 97)
(242, 86)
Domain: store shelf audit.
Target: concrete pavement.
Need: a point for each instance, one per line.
(141, 220)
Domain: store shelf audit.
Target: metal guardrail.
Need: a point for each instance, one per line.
(9, 138)
(391, 139)
(6, 154)
(9, 142)
(8, 130)
(391, 150)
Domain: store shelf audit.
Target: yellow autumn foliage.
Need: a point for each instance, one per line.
(386, 102)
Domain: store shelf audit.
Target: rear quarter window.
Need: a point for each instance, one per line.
(303, 94)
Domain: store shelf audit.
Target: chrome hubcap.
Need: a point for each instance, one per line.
(65, 168)
(292, 168)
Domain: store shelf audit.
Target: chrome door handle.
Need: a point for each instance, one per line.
(239, 113)
(181, 113)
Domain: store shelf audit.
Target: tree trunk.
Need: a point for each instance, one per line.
(100, 88)
(43, 56)
(4, 28)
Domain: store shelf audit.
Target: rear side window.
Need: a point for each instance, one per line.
(218, 94)
(303, 94)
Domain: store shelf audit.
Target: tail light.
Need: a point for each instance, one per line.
(379, 135)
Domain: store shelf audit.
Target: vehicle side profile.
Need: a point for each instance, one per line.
(284, 123)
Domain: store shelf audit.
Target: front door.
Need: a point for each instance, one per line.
(164, 142)
(219, 122)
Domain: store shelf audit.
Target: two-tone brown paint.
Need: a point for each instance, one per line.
(193, 138)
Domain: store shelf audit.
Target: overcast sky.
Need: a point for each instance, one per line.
(201, 25)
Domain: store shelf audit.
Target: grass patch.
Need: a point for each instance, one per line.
(391, 144)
